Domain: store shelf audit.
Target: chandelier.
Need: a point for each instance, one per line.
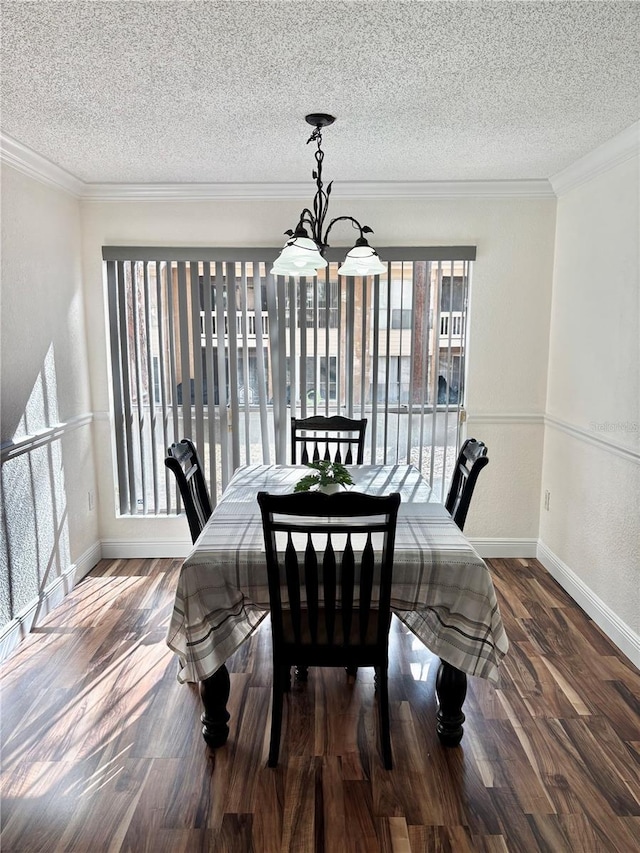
(303, 253)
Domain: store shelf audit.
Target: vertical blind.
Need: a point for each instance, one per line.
(206, 344)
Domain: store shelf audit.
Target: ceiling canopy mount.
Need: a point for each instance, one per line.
(319, 119)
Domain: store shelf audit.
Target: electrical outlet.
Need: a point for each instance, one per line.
(547, 499)
(91, 500)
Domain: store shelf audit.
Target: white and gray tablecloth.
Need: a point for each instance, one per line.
(442, 590)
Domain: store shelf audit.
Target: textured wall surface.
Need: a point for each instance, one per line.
(592, 454)
(44, 372)
(594, 349)
(46, 523)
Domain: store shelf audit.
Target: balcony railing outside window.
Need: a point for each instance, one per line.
(452, 325)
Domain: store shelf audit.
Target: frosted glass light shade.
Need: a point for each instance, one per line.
(362, 260)
(300, 257)
(308, 271)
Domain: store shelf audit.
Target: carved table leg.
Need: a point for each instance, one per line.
(214, 692)
(451, 689)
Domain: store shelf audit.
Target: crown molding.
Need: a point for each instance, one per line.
(344, 189)
(622, 147)
(35, 166)
(39, 168)
(611, 153)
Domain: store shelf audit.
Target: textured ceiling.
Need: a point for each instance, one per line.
(163, 92)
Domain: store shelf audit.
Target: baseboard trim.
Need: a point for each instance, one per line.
(621, 634)
(492, 547)
(54, 593)
(125, 549)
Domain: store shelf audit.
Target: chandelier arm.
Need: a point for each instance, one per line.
(307, 217)
(364, 229)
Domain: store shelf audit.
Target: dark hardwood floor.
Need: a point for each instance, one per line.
(101, 747)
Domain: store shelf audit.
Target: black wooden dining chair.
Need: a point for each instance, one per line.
(185, 463)
(330, 568)
(333, 438)
(471, 460)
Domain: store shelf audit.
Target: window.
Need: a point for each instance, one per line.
(207, 344)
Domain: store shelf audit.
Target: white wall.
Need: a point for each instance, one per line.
(591, 533)
(508, 327)
(48, 470)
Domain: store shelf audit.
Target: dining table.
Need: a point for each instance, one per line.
(442, 590)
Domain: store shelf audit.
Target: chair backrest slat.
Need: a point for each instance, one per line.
(366, 586)
(293, 585)
(311, 585)
(347, 571)
(330, 574)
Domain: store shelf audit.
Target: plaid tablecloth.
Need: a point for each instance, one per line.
(442, 589)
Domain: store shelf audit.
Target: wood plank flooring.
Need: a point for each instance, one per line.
(101, 747)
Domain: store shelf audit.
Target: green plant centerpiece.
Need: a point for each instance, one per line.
(327, 476)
